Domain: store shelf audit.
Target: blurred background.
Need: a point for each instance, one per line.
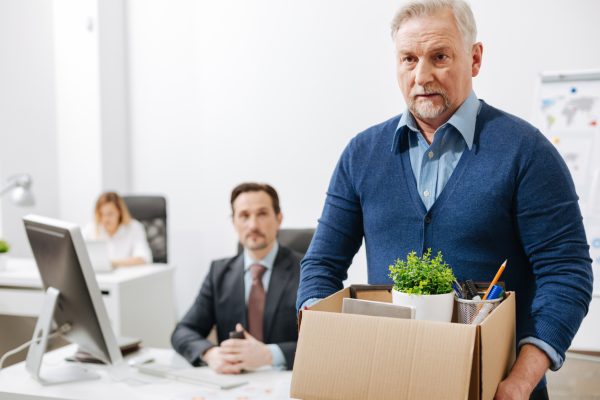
(189, 98)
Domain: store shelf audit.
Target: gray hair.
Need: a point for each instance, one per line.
(460, 8)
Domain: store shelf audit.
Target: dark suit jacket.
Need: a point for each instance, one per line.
(221, 302)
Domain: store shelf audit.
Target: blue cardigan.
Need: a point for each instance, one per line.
(510, 196)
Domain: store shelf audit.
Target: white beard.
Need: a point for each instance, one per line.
(427, 109)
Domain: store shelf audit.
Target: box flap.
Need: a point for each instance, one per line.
(345, 356)
(372, 292)
(331, 303)
(497, 346)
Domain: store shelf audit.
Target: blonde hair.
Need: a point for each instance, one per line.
(465, 21)
(114, 198)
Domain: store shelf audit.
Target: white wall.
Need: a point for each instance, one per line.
(63, 107)
(522, 38)
(91, 103)
(27, 120)
(227, 91)
(77, 107)
(114, 95)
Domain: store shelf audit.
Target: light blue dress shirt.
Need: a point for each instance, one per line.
(267, 262)
(433, 165)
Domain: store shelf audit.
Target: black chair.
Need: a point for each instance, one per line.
(297, 239)
(151, 211)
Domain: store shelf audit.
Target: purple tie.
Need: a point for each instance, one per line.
(256, 302)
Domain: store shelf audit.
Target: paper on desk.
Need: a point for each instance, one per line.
(279, 390)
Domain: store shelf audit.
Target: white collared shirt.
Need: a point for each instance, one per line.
(128, 241)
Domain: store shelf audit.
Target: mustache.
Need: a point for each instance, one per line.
(255, 232)
(425, 90)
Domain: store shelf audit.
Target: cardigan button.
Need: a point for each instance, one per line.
(427, 219)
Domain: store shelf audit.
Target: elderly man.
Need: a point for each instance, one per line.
(454, 174)
(255, 289)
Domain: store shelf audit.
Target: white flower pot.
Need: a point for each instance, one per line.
(431, 307)
(3, 261)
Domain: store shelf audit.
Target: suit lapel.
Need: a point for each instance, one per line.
(277, 286)
(232, 293)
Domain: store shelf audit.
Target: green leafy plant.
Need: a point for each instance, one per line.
(422, 275)
(4, 247)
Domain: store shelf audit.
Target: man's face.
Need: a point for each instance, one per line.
(434, 69)
(255, 220)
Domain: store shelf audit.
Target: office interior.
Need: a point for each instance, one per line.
(187, 98)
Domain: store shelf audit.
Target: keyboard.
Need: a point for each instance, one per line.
(201, 376)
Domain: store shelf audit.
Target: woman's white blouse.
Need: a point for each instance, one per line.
(129, 240)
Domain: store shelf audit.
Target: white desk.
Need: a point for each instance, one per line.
(139, 300)
(16, 384)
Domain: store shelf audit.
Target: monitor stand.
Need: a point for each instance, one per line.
(39, 342)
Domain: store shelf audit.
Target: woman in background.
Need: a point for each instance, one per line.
(126, 237)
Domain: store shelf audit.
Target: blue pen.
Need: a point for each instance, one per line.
(496, 292)
(457, 290)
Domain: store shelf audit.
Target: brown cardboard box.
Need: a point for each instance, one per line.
(346, 356)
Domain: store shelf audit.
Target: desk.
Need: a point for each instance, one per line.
(139, 300)
(15, 383)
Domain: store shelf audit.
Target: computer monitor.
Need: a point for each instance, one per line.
(73, 299)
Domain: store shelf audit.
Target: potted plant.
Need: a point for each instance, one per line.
(424, 283)
(4, 248)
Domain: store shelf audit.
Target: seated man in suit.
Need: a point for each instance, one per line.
(255, 289)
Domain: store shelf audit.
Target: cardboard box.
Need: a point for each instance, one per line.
(346, 356)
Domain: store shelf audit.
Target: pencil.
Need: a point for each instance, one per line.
(495, 280)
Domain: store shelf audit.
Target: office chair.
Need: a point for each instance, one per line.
(151, 211)
(297, 239)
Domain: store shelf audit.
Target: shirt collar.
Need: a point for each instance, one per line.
(463, 120)
(267, 261)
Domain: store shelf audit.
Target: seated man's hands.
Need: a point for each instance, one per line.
(215, 358)
(236, 355)
(248, 353)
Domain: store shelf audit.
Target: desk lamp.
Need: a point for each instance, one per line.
(20, 186)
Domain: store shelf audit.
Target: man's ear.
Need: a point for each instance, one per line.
(476, 54)
(279, 218)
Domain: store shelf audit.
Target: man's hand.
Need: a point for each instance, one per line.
(216, 359)
(512, 390)
(528, 370)
(247, 353)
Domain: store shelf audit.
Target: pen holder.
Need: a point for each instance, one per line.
(468, 310)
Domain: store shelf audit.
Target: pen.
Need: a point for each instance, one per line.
(495, 280)
(495, 293)
(471, 290)
(457, 289)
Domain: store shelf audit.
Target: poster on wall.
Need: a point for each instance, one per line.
(567, 111)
